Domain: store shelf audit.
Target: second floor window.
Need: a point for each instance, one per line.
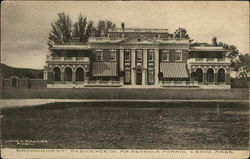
(151, 55)
(178, 55)
(113, 56)
(127, 55)
(138, 55)
(99, 56)
(165, 55)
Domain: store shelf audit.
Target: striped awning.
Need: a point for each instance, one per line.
(104, 69)
(174, 70)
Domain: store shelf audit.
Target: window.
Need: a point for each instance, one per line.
(112, 55)
(178, 55)
(99, 55)
(150, 76)
(151, 55)
(127, 55)
(165, 55)
(138, 55)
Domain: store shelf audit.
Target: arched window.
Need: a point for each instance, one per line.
(199, 74)
(221, 75)
(68, 74)
(56, 74)
(210, 75)
(79, 74)
(14, 82)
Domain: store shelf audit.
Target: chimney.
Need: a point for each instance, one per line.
(214, 41)
(92, 32)
(75, 36)
(182, 33)
(123, 28)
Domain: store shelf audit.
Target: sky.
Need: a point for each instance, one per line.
(25, 25)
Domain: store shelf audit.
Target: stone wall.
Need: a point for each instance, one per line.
(22, 83)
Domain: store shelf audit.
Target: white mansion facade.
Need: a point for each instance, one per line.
(138, 57)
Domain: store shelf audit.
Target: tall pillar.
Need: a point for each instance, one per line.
(62, 76)
(144, 63)
(227, 76)
(132, 66)
(156, 66)
(216, 78)
(44, 75)
(205, 77)
(50, 77)
(73, 76)
(121, 62)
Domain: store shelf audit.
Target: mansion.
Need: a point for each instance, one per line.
(129, 57)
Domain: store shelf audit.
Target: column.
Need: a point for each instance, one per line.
(86, 77)
(215, 77)
(156, 65)
(132, 66)
(144, 64)
(205, 77)
(73, 76)
(62, 76)
(1, 82)
(50, 77)
(227, 76)
(44, 75)
(121, 60)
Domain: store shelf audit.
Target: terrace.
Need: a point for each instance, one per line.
(208, 60)
(67, 59)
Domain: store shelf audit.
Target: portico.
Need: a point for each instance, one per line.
(138, 68)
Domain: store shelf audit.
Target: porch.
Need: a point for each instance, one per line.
(194, 84)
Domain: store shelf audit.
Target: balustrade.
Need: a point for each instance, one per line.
(208, 60)
(55, 59)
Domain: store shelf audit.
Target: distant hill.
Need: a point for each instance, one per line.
(7, 71)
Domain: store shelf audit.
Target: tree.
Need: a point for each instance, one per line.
(177, 33)
(83, 28)
(242, 66)
(61, 30)
(103, 27)
(232, 51)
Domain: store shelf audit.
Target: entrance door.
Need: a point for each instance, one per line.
(139, 77)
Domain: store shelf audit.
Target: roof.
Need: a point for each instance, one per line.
(174, 70)
(140, 30)
(70, 47)
(104, 69)
(105, 40)
(144, 40)
(200, 44)
(208, 48)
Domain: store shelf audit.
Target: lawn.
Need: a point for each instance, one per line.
(131, 125)
(126, 93)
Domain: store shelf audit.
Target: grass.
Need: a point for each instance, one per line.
(117, 93)
(137, 125)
